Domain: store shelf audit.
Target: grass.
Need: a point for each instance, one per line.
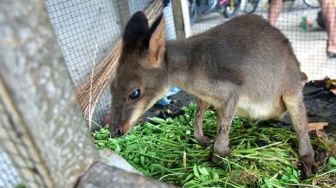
(263, 155)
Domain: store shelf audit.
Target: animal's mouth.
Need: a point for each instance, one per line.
(125, 128)
(119, 129)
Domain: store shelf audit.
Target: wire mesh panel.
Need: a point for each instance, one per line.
(83, 26)
(23, 160)
(299, 23)
(18, 157)
(297, 20)
(86, 30)
(9, 176)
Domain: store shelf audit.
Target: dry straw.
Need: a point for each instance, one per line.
(90, 90)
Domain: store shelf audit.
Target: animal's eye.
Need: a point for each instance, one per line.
(135, 94)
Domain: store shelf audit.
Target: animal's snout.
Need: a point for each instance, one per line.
(117, 132)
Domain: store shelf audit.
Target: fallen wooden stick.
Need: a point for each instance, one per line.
(104, 71)
(317, 126)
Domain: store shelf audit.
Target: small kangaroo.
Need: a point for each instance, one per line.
(244, 66)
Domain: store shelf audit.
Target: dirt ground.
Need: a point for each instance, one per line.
(319, 102)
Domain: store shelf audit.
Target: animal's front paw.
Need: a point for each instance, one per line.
(307, 166)
(222, 151)
(205, 141)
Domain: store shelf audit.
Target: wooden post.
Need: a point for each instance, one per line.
(181, 18)
(41, 126)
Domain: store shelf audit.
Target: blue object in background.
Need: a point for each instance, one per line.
(165, 3)
(165, 101)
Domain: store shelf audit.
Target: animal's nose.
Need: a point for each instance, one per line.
(117, 132)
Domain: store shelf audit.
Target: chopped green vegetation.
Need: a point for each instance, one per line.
(20, 186)
(263, 155)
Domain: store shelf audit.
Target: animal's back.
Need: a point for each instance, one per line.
(249, 47)
(241, 38)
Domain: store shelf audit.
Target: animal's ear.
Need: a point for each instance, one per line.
(136, 28)
(155, 43)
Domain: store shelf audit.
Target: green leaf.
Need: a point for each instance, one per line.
(295, 173)
(153, 154)
(284, 178)
(100, 144)
(203, 171)
(158, 120)
(142, 159)
(214, 175)
(189, 177)
(332, 161)
(118, 149)
(20, 186)
(293, 179)
(268, 183)
(289, 170)
(136, 160)
(196, 171)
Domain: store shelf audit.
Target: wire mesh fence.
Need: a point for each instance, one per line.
(18, 160)
(297, 20)
(87, 29)
(9, 176)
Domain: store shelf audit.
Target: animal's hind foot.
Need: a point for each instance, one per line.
(307, 166)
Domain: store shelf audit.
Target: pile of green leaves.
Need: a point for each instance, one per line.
(263, 155)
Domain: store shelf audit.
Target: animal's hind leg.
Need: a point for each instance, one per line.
(296, 109)
(224, 116)
(198, 133)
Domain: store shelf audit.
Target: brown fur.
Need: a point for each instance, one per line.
(244, 66)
